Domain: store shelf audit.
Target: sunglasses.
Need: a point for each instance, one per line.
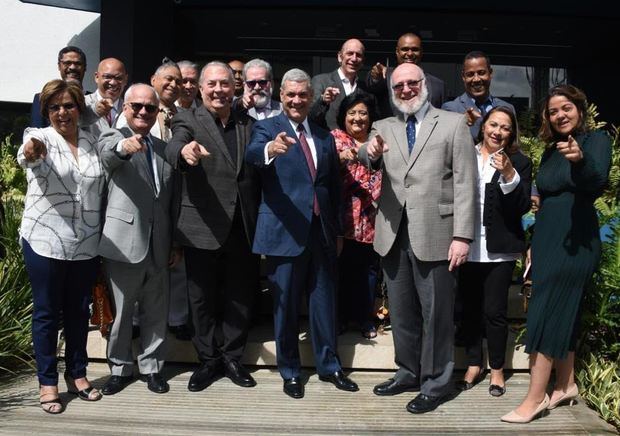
(56, 107)
(149, 108)
(411, 84)
(252, 83)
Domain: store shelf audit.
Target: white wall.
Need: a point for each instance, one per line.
(30, 38)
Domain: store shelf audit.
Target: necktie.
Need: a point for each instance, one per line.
(482, 108)
(149, 157)
(109, 118)
(411, 132)
(305, 147)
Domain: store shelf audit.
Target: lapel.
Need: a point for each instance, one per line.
(242, 139)
(140, 161)
(465, 101)
(426, 129)
(296, 153)
(207, 123)
(399, 132)
(318, 145)
(159, 156)
(336, 79)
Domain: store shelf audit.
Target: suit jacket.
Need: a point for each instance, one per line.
(325, 115)
(435, 185)
(91, 121)
(211, 190)
(381, 90)
(463, 102)
(502, 213)
(136, 218)
(285, 213)
(36, 119)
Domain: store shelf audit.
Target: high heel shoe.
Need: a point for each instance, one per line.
(88, 394)
(568, 396)
(515, 418)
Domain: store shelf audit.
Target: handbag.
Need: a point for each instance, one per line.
(526, 287)
(101, 312)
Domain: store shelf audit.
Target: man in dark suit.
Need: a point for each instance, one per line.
(477, 100)
(136, 239)
(72, 66)
(408, 50)
(215, 226)
(331, 88)
(298, 228)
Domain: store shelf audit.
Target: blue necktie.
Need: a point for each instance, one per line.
(411, 132)
(149, 157)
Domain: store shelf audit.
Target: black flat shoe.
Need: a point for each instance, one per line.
(203, 378)
(156, 383)
(88, 394)
(497, 390)
(238, 374)
(392, 387)
(115, 384)
(294, 388)
(423, 404)
(464, 385)
(341, 381)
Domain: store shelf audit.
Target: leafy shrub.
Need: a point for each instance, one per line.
(599, 380)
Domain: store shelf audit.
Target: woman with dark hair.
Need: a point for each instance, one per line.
(361, 189)
(59, 235)
(504, 179)
(566, 246)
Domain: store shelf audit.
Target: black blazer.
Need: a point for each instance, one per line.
(502, 213)
(211, 190)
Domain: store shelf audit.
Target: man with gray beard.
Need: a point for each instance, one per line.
(257, 91)
(424, 225)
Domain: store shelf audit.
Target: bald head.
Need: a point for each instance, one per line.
(111, 78)
(351, 57)
(141, 107)
(409, 49)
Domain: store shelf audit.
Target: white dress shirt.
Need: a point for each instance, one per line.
(62, 211)
(478, 248)
(348, 86)
(308, 135)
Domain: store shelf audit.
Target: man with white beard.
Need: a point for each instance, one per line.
(257, 91)
(424, 225)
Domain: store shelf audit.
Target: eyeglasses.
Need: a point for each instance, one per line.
(252, 83)
(56, 107)
(411, 84)
(149, 108)
(110, 77)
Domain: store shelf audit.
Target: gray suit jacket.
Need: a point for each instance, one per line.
(91, 121)
(463, 102)
(136, 218)
(436, 184)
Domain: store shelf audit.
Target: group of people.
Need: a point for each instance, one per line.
(179, 196)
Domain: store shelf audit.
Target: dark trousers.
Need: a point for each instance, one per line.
(313, 272)
(221, 287)
(421, 304)
(357, 280)
(484, 287)
(59, 286)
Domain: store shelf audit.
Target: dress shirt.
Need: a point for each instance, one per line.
(478, 248)
(348, 86)
(62, 215)
(307, 133)
(121, 152)
(116, 106)
(487, 105)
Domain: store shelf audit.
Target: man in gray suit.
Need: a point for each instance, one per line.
(136, 239)
(477, 100)
(331, 88)
(408, 50)
(105, 105)
(423, 228)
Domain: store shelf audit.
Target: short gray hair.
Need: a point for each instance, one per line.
(217, 64)
(188, 64)
(258, 63)
(133, 87)
(297, 75)
(165, 66)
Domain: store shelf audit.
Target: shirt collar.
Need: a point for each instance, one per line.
(304, 123)
(487, 102)
(421, 113)
(344, 79)
(116, 104)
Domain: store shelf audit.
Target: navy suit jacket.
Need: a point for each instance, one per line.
(36, 119)
(463, 102)
(285, 212)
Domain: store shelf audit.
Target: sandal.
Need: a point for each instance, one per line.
(53, 406)
(88, 394)
(370, 333)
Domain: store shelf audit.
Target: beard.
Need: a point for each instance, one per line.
(262, 99)
(410, 107)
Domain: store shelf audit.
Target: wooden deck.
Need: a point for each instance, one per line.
(224, 408)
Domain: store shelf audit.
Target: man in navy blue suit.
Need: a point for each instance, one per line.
(299, 230)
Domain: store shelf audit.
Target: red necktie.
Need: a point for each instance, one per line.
(108, 117)
(308, 154)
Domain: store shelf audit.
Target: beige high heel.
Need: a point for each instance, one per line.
(569, 396)
(515, 418)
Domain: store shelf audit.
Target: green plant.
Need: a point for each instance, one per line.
(12, 177)
(599, 380)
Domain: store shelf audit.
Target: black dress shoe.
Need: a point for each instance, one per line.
(203, 377)
(238, 374)
(181, 332)
(156, 383)
(423, 403)
(294, 388)
(341, 381)
(392, 387)
(115, 384)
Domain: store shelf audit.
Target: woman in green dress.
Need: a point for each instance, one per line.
(566, 246)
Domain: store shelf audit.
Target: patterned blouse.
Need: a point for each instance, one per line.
(62, 214)
(361, 189)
